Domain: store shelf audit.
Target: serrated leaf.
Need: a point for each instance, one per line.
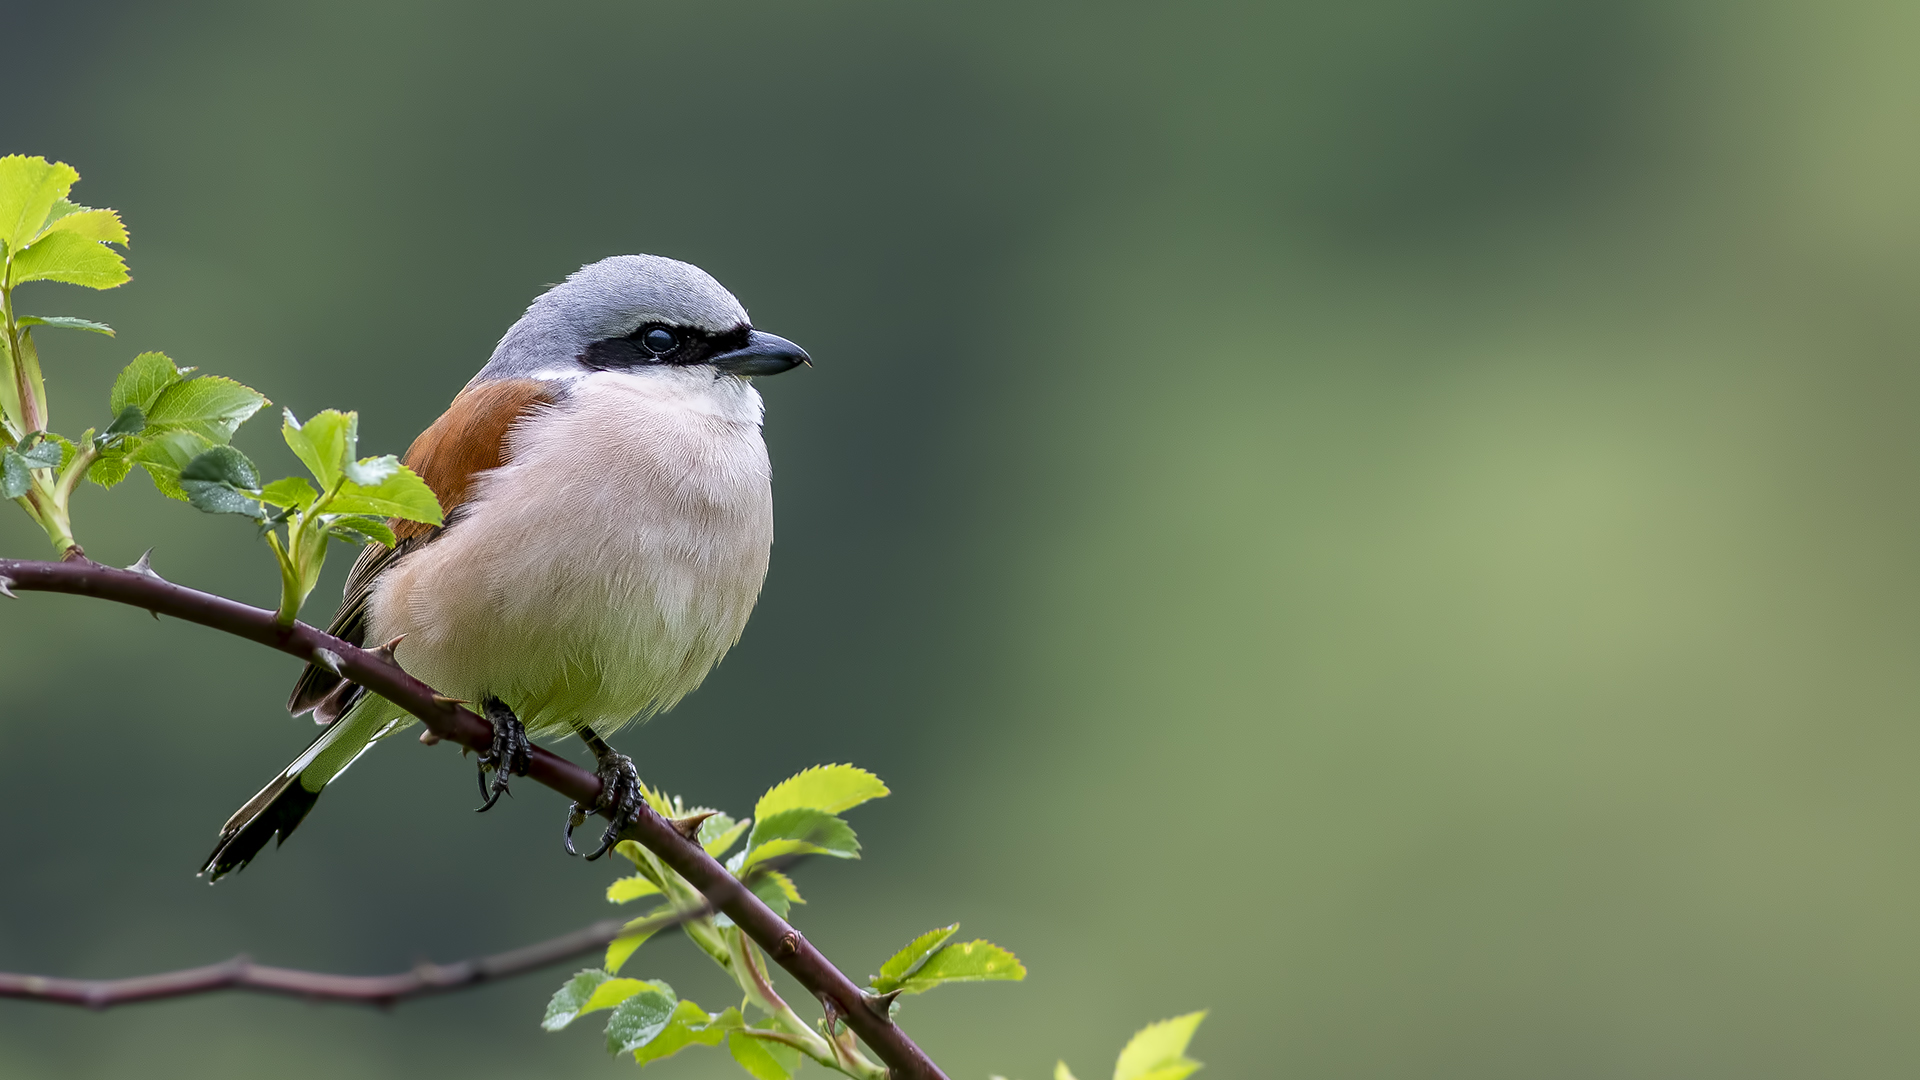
(109, 468)
(801, 831)
(209, 405)
(164, 454)
(66, 322)
(70, 258)
(44, 454)
(221, 481)
(140, 382)
(975, 961)
(29, 188)
(689, 1026)
(908, 960)
(832, 788)
(568, 1000)
(631, 888)
(360, 529)
(289, 491)
(640, 1017)
(401, 495)
(100, 226)
(324, 444)
(15, 477)
(371, 471)
(1159, 1051)
(758, 1057)
(131, 420)
(612, 992)
(776, 890)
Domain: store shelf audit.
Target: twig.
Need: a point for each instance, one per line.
(446, 719)
(241, 973)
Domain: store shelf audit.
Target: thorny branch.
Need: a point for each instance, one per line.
(445, 718)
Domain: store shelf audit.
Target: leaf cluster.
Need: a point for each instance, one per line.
(796, 818)
(355, 500)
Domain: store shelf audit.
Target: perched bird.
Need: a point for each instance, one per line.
(609, 515)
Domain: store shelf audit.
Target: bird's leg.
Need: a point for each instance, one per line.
(507, 756)
(619, 799)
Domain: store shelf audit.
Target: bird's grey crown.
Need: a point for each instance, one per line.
(609, 299)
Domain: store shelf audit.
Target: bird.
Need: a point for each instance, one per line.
(608, 522)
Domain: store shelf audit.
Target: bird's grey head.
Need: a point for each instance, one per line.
(634, 313)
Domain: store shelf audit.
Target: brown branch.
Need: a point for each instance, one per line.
(241, 973)
(446, 719)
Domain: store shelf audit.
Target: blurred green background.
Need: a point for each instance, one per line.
(1394, 521)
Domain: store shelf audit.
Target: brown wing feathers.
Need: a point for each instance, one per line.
(467, 440)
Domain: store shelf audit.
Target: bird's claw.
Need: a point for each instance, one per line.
(508, 756)
(620, 799)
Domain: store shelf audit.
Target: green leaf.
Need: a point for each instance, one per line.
(110, 468)
(15, 476)
(631, 888)
(777, 890)
(359, 529)
(324, 444)
(70, 258)
(908, 960)
(400, 495)
(760, 1057)
(371, 471)
(131, 420)
(67, 322)
(720, 832)
(100, 226)
(801, 831)
(689, 1026)
(832, 788)
(163, 455)
(620, 949)
(220, 481)
(640, 1017)
(44, 454)
(1060, 1071)
(976, 961)
(29, 188)
(292, 492)
(209, 405)
(569, 999)
(1159, 1051)
(140, 382)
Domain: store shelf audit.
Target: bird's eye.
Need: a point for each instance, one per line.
(659, 341)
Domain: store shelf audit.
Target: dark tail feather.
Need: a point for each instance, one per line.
(278, 809)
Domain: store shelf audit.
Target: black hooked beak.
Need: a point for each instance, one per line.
(764, 354)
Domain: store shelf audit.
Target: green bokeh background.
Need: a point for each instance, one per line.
(1393, 521)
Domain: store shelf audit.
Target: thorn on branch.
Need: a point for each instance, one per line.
(446, 702)
(6, 588)
(144, 566)
(428, 738)
(328, 659)
(881, 1004)
(385, 652)
(689, 826)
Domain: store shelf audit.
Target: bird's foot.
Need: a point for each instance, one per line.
(507, 756)
(620, 798)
